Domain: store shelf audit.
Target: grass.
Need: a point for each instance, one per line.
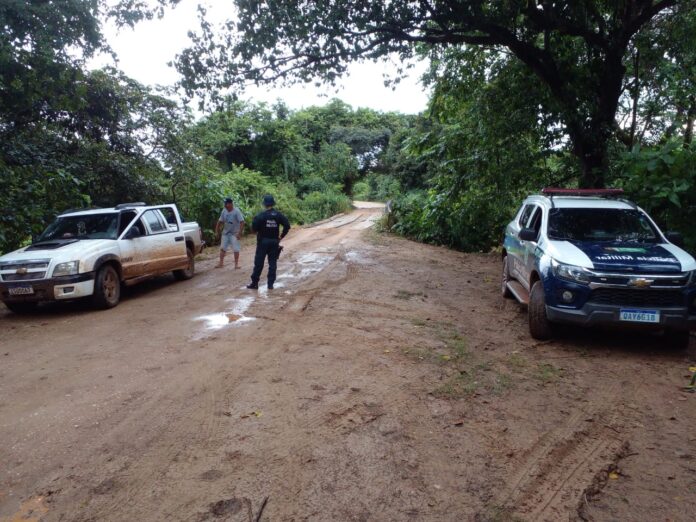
(466, 375)
(500, 514)
(547, 373)
(406, 295)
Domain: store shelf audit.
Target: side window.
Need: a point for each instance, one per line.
(154, 221)
(124, 220)
(170, 217)
(535, 220)
(524, 217)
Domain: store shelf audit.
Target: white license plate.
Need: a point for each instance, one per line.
(21, 290)
(640, 316)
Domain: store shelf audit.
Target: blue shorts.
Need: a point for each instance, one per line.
(230, 241)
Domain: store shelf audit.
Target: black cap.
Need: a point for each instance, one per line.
(268, 201)
(228, 200)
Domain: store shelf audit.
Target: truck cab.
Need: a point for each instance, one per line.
(590, 257)
(91, 253)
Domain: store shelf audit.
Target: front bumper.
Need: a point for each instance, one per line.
(592, 314)
(53, 289)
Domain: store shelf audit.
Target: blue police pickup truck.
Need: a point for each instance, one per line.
(589, 257)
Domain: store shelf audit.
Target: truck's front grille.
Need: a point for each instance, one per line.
(29, 276)
(24, 270)
(640, 298)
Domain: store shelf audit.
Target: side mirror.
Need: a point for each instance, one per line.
(132, 233)
(527, 234)
(676, 238)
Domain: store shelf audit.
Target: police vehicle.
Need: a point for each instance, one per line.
(589, 257)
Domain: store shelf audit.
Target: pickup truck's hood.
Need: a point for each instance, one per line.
(70, 251)
(623, 257)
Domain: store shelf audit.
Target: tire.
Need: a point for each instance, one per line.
(22, 308)
(539, 326)
(677, 339)
(107, 288)
(505, 291)
(187, 273)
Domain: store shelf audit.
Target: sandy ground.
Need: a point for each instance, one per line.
(381, 380)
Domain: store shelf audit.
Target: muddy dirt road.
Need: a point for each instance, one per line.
(381, 380)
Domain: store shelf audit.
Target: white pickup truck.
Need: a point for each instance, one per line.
(90, 253)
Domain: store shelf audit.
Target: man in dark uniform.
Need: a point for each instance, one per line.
(267, 225)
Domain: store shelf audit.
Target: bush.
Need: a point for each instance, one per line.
(307, 185)
(361, 191)
(321, 205)
(663, 182)
(470, 221)
(383, 187)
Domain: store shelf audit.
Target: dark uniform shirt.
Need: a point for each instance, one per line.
(267, 225)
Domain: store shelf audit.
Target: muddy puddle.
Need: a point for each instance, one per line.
(235, 314)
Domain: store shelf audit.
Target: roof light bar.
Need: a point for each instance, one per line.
(553, 191)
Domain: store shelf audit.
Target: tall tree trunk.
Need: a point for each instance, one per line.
(690, 117)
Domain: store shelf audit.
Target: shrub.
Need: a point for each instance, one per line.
(320, 205)
(361, 191)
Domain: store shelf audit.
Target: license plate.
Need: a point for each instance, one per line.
(640, 316)
(21, 290)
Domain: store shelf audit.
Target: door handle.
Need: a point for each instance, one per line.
(179, 238)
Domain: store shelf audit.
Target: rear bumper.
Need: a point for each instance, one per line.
(54, 289)
(595, 314)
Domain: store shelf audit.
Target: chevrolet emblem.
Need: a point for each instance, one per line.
(21, 271)
(641, 282)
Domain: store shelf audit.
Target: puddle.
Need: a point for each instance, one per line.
(310, 264)
(234, 315)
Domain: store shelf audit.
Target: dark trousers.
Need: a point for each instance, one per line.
(265, 247)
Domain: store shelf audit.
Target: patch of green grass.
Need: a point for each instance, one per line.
(501, 383)
(516, 362)
(419, 354)
(406, 295)
(548, 373)
(466, 383)
(455, 344)
(460, 385)
(499, 514)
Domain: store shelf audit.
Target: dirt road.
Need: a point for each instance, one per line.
(381, 380)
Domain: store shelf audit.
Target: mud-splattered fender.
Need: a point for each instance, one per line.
(106, 258)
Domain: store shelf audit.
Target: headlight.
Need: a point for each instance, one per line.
(65, 269)
(576, 274)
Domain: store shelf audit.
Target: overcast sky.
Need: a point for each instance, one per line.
(144, 52)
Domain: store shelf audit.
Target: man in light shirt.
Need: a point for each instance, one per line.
(231, 223)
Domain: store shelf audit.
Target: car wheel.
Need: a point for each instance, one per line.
(507, 294)
(539, 325)
(22, 308)
(678, 339)
(107, 288)
(187, 273)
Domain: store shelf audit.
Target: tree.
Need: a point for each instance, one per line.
(576, 48)
(69, 137)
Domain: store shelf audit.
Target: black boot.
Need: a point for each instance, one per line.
(253, 286)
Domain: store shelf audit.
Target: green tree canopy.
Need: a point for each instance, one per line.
(576, 48)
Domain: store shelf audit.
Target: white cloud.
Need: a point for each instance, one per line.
(144, 52)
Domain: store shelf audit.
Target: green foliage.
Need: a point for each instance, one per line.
(361, 191)
(663, 181)
(319, 205)
(383, 187)
(575, 50)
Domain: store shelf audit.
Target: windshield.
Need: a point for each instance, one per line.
(93, 226)
(600, 224)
